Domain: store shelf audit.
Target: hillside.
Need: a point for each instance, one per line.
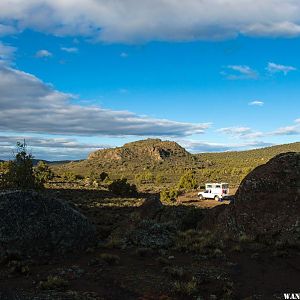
(247, 158)
(148, 158)
(149, 150)
(146, 161)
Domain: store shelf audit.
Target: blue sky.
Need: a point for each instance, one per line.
(72, 82)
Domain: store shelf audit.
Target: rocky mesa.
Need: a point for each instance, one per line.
(150, 149)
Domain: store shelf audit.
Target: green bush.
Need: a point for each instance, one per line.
(188, 181)
(103, 176)
(159, 179)
(111, 259)
(145, 177)
(121, 187)
(4, 170)
(43, 173)
(19, 173)
(69, 176)
(53, 282)
(170, 195)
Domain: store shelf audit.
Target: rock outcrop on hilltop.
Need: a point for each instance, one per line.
(267, 202)
(152, 149)
(34, 225)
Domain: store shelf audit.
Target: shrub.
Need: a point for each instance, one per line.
(202, 242)
(145, 177)
(169, 196)
(53, 282)
(111, 259)
(43, 173)
(122, 188)
(159, 179)
(19, 173)
(69, 176)
(175, 272)
(103, 176)
(186, 288)
(4, 177)
(188, 181)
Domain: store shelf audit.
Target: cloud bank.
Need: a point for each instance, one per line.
(48, 148)
(194, 146)
(29, 105)
(248, 133)
(134, 21)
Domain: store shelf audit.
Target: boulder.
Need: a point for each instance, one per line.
(267, 202)
(150, 208)
(277, 179)
(32, 224)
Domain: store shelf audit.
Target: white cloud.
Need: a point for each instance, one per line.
(51, 148)
(276, 29)
(6, 52)
(43, 53)
(275, 68)
(69, 49)
(29, 105)
(202, 146)
(249, 134)
(288, 130)
(7, 29)
(237, 72)
(241, 132)
(134, 21)
(235, 130)
(256, 103)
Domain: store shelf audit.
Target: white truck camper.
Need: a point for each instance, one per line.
(215, 191)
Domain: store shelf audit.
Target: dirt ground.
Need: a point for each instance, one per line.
(246, 271)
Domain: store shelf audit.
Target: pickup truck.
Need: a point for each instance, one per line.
(216, 191)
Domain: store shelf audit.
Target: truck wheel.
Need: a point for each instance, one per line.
(217, 198)
(201, 197)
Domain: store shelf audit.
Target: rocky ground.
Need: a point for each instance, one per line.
(143, 249)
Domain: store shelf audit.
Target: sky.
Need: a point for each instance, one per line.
(212, 75)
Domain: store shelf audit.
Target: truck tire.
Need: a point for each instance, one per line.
(217, 198)
(201, 197)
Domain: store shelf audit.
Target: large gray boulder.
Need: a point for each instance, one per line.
(35, 225)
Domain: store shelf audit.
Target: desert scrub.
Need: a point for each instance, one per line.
(144, 252)
(19, 173)
(111, 259)
(18, 267)
(175, 272)
(191, 218)
(169, 196)
(237, 248)
(244, 238)
(123, 188)
(53, 282)
(203, 242)
(114, 243)
(68, 176)
(228, 291)
(185, 288)
(150, 234)
(188, 181)
(162, 260)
